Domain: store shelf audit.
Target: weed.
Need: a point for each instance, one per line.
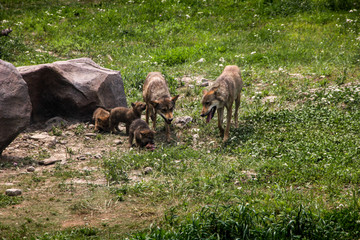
(8, 201)
(56, 131)
(80, 129)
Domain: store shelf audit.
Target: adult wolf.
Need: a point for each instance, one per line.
(226, 89)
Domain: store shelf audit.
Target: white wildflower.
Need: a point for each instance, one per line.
(253, 52)
(187, 16)
(221, 59)
(349, 20)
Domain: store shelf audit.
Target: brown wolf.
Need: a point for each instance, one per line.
(144, 137)
(125, 115)
(225, 90)
(158, 100)
(101, 119)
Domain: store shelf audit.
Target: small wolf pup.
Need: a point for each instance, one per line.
(101, 119)
(158, 100)
(225, 90)
(125, 115)
(144, 137)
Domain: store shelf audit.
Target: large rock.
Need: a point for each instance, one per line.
(15, 105)
(72, 89)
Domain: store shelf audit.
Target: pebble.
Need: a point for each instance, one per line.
(13, 192)
(30, 169)
(148, 170)
(53, 159)
(82, 158)
(43, 136)
(90, 134)
(118, 141)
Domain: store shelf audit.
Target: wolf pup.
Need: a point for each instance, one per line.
(158, 100)
(101, 119)
(144, 137)
(125, 115)
(225, 90)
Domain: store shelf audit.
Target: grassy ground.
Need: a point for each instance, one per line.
(291, 170)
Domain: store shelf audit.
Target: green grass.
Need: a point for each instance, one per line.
(8, 201)
(290, 171)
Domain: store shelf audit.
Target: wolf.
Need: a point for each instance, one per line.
(144, 137)
(226, 89)
(157, 97)
(125, 115)
(101, 119)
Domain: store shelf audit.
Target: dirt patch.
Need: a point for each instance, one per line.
(70, 192)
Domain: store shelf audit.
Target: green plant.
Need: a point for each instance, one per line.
(8, 201)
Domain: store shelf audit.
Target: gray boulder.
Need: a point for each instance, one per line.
(15, 105)
(72, 89)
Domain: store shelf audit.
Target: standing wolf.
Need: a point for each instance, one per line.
(157, 97)
(225, 90)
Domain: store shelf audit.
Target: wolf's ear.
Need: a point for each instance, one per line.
(175, 98)
(215, 88)
(155, 103)
(133, 104)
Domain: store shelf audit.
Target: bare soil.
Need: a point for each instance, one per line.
(72, 192)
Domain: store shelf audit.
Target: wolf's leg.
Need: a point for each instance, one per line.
(127, 125)
(220, 120)
(147, 113)
(96, 125)
(167, 127)
(153, 117)
(131, 138)
(237, 105)
(228, 123)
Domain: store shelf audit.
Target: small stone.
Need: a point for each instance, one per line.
(53, 159)
(43, 136)
(118, 141)
(87, 138)
(182, 121)
(82, 158)
(63, 142)
(49, 161)
(90, 134)
(91, 126)
(55, 122)
(148, 170)
(13, 192)
(30, 169)
(97, 156)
